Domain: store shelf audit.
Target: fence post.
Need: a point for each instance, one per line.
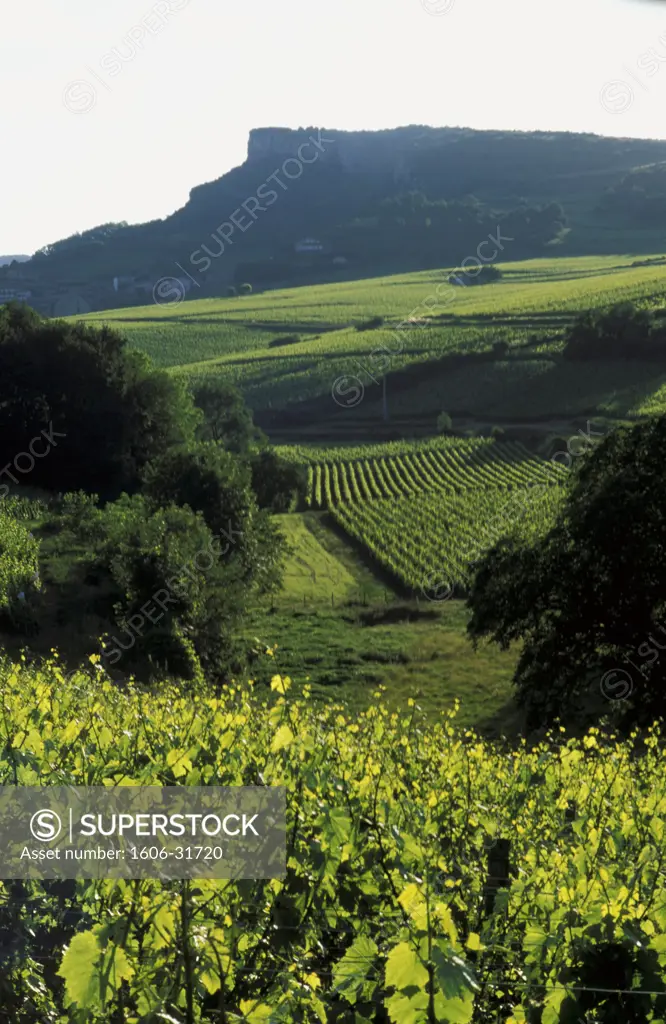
(498, 873)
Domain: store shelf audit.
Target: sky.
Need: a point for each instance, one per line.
(114, 111)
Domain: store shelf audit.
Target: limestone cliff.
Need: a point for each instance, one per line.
(390, 150)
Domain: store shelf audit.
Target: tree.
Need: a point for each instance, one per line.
(621, 332)
(110, 410)
(178, 602)
(218, 484)
(500, 349)
(588, 600)
(444, 423)
(246, 289)
(275, 481)
(226, 418)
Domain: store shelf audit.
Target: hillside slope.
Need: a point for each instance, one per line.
(318, 205)
(309, 373)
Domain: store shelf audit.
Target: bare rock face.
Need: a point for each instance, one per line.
(389, 151)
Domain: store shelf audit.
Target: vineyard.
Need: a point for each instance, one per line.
(426, 512)
(450, 466)
(431, 878)
(19, 554)
(242, 340)
(430, 545)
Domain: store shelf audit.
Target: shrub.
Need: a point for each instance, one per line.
(497, 433)
(370, 325)
(232, 291)
(177, 604)
(444, 423)
(246, 289)
(79, 512)
(19, 567)
(500, 349)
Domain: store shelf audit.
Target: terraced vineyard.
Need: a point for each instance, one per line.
(427, 512)
(450, 466)
(430, 545)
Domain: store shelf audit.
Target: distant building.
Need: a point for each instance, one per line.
(309, 245)
(14, 295)
(123, 283)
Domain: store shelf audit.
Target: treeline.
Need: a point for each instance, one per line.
(639, 196)
(622, 332)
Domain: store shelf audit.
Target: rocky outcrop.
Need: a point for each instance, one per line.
(373, 152)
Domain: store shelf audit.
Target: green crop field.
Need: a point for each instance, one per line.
(287, 349)
(424, 514)
(429, 544)
(448, 465)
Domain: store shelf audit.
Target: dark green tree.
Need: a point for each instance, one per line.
(226, 418)
(218, 484)
(178, 600)
(587, 602)
(110, 410)
(622, 332)
(275, 481)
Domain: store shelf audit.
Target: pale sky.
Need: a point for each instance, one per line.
(89, 139)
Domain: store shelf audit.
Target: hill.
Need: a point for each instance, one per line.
(489, 355)
(6, 260)
(316, 205)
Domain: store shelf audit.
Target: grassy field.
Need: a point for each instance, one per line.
(339, 624)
